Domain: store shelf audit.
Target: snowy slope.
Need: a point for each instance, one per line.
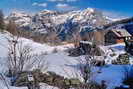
(112, 74)
(65, 65)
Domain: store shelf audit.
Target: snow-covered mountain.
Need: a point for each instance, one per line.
(63, 23)
(21, 18)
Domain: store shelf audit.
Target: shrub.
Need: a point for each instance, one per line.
(55, 50)
(122, 59)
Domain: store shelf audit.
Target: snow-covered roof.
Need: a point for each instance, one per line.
(86, 42)
(121, 32)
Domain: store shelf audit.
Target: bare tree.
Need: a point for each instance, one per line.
(2, 24)
(53, 38)
(4, 80)
(20, 56)
(12, 27)
(86, 65)
(85, 71)
(76, 38)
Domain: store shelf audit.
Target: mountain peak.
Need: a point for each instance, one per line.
(18, 14)
(20, 17)
(90, 9)
(63, 22)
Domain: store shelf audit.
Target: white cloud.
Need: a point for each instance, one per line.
(62, 0)
(56, 0)
(114, 14)
(59, 5)
(43, 4)
(72, 0)
(65, 7)
(40, 4)
(34, 4)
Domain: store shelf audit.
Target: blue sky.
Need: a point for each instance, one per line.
(112, 8)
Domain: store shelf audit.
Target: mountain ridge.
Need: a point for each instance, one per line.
(62, 23)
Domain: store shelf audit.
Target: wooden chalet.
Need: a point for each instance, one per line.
(115, 36)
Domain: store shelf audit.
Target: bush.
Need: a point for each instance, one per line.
(122, 59)
(55, 50)
(91, 85)
(129, 82)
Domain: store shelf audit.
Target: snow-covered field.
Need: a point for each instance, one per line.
(65, 65)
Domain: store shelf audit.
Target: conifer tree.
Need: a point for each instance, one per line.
(2, 24)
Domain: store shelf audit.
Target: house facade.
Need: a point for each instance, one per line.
(115, 36)
(108, 37)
